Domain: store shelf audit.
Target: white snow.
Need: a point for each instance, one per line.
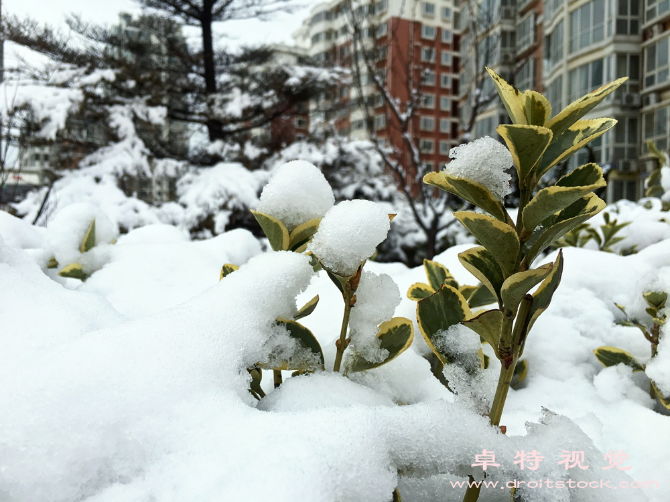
(377, 297)
(67, 230)
(133, 386)
(484, 160)
(297, 192)
(349, 234)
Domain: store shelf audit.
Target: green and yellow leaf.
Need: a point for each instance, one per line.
(665, 400)
(580, 107)
(565, 145)
(439, 312)
(488, 326)
(469, 190)
(611, 356)
(527, 144)
(655, 299)
(568, 189)
(520, 373)
(537, 108)
(500, 239)
(52, 263)
(518, 285)
(307, 308)
(511, 97)
(481, 263)
(306, 340)
(395, 336)
(419, 291)
(542, 297)
(73, 271)
(228, 269)
(479, 296)
(558, 225)
(302, 234)
(438, 274)
(89, 238)
(274, 230)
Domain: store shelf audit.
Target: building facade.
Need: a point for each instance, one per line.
(567, 48)
(410, 46)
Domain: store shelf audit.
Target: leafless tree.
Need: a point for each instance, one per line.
(400, 150)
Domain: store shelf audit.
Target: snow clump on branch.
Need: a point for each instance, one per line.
(485, 161)
(297, 192)
(349, 234)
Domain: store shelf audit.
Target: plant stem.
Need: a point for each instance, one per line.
(341, 343)
(277, 378)
(472, 493)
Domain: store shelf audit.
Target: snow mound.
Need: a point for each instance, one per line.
(349, 235)
(484, 160)
(297, 192)
(67, 230)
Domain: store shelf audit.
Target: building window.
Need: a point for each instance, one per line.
(426, 145)
(445, 81)
(381, 6)
(525, 76)
(447, 36)
(445, 103)
(357, 124)
(300, 123)
(656, 63)
(344, 51)
(625, 189)
(555, 93)
(427, 123)
(656, 128)
(428, 9)
(445, 58)
(628, 17)
(525, 32)
(429, 78)
(553, 47)
(656, 8)
(587, 25)
(628, 65)
(444, 148)
(428, 32)
(446, 13)
(382, 29)
(428, 101)
(625, 139)
(427, 55)
(585, 79)
(380, 122)
(444, 125)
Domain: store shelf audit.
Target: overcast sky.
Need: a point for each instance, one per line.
(251, 31)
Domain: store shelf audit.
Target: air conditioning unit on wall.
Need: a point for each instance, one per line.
(631, 99)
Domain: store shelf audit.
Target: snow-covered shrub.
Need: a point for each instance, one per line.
(355, 170)
(216, 199)
(612, 356)
(296, 213)
(503, 261)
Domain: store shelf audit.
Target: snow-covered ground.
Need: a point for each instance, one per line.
(132, 385)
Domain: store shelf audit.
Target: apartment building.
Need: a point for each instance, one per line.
(566, 48)
(413, 47)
